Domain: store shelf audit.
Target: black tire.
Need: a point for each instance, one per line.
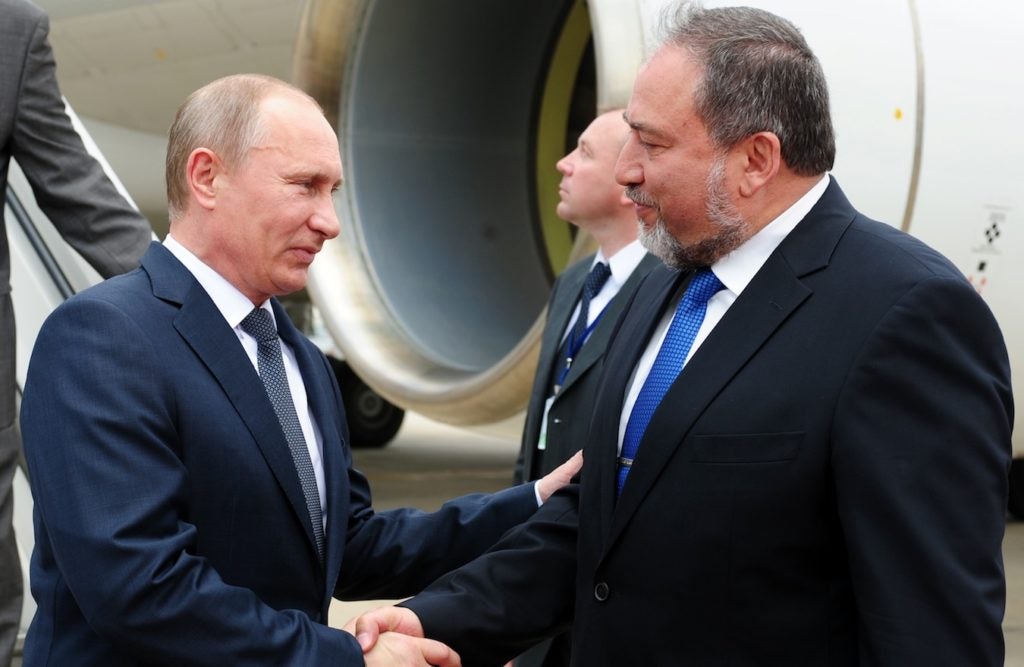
(1016, 501)
(372, 420)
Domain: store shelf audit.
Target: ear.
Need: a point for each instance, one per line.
(201, 174)
(761, 158)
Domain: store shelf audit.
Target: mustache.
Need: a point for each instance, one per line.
(640, 197)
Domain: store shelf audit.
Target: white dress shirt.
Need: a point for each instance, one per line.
(735, 270)
(234, 306)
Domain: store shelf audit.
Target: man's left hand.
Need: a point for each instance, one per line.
(559, 477)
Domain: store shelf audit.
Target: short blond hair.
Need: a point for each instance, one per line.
(223, 116)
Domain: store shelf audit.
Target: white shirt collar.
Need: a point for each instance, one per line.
(738, 268)
(231, 303)
(623, 262)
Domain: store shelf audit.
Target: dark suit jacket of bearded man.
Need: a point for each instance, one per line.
(823, 484)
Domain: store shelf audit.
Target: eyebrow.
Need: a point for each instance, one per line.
(639, 126)
(316, 176)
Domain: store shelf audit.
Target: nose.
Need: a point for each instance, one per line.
(564, 166)
(325, 218)
(627, 168)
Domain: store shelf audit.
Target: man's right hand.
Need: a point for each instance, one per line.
(393, 648)
(394, 635)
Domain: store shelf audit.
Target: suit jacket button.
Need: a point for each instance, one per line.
(601, 591)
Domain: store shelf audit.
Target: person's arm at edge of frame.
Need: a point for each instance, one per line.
(70, 185)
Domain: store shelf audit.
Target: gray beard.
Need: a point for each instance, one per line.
(732, 230)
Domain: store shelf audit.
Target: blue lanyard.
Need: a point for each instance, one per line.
(573, 347)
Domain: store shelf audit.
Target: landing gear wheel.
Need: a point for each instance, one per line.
(372, 420)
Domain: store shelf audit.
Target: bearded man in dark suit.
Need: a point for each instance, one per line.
(800, 444)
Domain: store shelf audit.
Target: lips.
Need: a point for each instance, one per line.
(644, 213)
(643, 205)
(306, 253)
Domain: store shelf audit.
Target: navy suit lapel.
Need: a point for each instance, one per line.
(203, 328)
(563, 301)
(336, 463)
(561, 310)
(324, 405)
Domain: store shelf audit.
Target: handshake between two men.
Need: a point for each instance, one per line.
(394, 635)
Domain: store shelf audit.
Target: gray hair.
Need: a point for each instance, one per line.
(223, 116)
(759, 75)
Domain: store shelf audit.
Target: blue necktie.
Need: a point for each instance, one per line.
(685, 325)
(596, 279)
(260, 326)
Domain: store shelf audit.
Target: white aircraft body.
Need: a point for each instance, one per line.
(451, 115)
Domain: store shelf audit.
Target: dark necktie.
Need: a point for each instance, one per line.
(667, 365)
(260, 326)
(596, 279)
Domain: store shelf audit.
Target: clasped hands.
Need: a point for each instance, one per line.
(394, 636)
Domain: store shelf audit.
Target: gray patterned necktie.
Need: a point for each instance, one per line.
(260, 326)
